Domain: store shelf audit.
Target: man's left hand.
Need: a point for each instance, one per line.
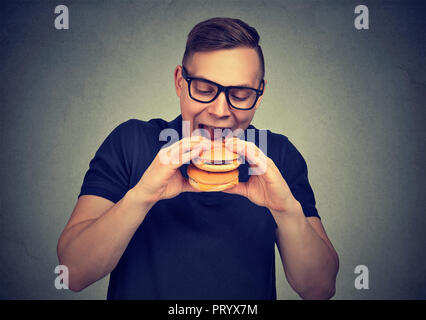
(266, 186)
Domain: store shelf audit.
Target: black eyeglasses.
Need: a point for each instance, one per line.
(206, 91)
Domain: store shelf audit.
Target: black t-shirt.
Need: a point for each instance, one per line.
(207, 245)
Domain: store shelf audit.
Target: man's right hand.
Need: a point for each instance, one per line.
(162, 179)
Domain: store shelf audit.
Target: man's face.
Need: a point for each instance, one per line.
(232, 67)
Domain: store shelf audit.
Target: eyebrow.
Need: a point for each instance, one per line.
(234, 85)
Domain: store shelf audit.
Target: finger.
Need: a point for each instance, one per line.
(187, 144)
(173, 154)
(243, 148)
(248, 150)
(187, 187)
(240, 188)
(192, 154)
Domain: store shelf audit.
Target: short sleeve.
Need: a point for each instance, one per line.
(295, 173)
(109, 170)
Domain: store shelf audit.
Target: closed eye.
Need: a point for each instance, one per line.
(201, 91)
(239, 99)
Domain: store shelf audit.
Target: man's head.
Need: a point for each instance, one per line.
(224, 51)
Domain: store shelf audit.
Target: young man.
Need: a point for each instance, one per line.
(139, 219)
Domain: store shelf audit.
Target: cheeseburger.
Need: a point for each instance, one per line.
(215, 169)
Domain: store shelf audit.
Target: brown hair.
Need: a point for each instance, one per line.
(222, 33)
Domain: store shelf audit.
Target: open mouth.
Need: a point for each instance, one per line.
(214, 133)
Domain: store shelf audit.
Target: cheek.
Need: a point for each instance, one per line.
(190, 109)
(243, 118)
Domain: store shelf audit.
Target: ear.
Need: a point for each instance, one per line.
(178, 80)
(260, 98)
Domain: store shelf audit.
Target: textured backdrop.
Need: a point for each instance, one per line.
(352, 101)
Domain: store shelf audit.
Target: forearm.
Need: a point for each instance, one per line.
(309, 263)
(93, 248)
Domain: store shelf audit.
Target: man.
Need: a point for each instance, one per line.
(139, 219)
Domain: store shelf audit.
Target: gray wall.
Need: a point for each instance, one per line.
(351, 101)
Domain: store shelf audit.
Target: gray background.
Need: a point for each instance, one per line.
(351, 101)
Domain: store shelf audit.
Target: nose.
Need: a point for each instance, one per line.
(219, 107)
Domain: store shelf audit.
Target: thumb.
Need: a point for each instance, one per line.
(240, 188)
(187, 187)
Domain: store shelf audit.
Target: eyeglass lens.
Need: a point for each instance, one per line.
(205, 91)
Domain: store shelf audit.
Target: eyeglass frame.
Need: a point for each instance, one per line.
(221, 88)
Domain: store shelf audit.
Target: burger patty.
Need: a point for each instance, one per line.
(218, 162)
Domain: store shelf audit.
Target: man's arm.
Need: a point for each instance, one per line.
(309, 259)
(97, 235)
(99, 231)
